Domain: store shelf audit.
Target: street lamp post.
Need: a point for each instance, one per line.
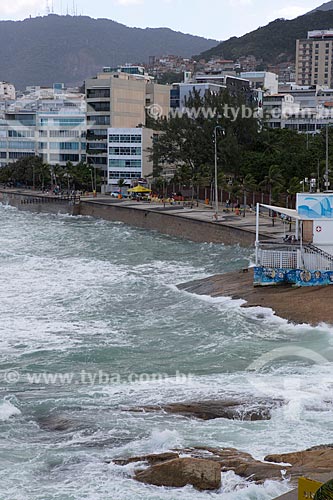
(218, 127)
(327, 183)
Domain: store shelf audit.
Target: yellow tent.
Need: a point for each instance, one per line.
(139, 189)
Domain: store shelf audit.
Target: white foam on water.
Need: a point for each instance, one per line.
(223, 302)
(8, 410)
(77, 287)
(234, 488)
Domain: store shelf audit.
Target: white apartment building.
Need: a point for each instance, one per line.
(7, 92)
(52, 127)
(288, 111)
(262, 80)
(128, 155)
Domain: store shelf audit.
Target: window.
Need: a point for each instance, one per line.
(96, 135)
(64, 133)
(62, 122)
(99, 120)
(64, 145)
(125, 164)
(21, 133)
(98, 93)
(26, 120)
(64, 157)
(21, 145)
(97, 160)
(123, 151)
(100, 106)
(97, 146)
(125, 138)
(124, 175)
(17, 155)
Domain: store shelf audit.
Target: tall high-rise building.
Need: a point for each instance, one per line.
(314, 59)
(117, 99)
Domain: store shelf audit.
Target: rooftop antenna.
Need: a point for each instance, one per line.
(73, 8)
(47, 8)
(52, 8)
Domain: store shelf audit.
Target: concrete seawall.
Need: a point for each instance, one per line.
(167, 223)
(141, 216)
(37, 203)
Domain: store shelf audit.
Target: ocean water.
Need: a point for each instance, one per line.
(92, 325)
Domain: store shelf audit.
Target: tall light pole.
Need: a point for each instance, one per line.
(327, 184)
(218, 127)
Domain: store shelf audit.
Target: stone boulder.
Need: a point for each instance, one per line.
(314, 462)
(56, 423)
(243, 464)
(200, 473)
(210, 410)
(153, 459)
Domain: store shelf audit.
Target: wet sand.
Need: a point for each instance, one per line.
(311, 305)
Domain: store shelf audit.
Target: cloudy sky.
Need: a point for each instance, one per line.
(217, 19)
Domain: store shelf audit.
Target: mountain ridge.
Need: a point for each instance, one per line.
(70, 49)
(274, 43)
(324, 7)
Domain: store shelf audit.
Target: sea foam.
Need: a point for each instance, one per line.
(8, 410)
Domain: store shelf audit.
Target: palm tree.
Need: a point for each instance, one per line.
(43, 172)
(249, 184)
(121, 184)
(293, 189)
(273, 181)
(325, 492)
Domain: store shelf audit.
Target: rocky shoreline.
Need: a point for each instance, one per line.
(298, 305)
(202, 467)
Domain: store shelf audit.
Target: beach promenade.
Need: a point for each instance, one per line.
(181, 220)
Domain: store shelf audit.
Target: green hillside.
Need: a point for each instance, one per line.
(44, 50)
(273, 43)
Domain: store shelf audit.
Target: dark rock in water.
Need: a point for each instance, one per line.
(150, 459)
(227, 459)
(202, 474)
(243, 464)
(210, 410)
(316, 463)
(56, 423)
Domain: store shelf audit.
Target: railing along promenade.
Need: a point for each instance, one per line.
(273, 254)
